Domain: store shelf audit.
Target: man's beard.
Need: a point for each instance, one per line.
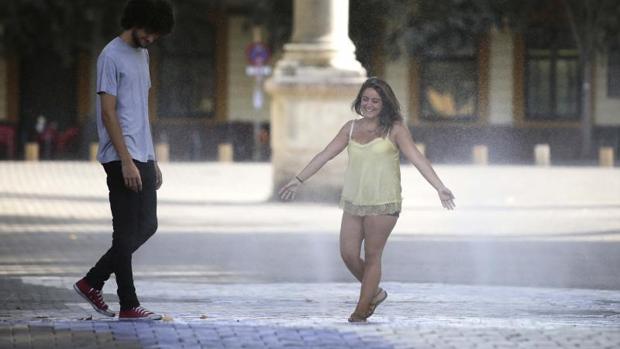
(136, 39)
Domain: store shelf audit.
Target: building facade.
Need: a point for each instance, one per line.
(505, 90)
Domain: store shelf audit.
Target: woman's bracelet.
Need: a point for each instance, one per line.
(299, 179)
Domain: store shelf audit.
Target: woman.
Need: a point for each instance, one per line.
(371, 196)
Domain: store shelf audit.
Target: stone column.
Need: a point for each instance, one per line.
(312, 88)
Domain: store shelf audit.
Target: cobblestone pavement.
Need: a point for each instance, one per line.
(46, 314)
(518, 265)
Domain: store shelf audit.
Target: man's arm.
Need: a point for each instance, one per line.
(131, 175)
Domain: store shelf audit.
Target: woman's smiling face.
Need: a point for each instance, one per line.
(371, 103)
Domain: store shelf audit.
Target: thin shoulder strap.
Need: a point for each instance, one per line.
(351, 130)
(388, 133)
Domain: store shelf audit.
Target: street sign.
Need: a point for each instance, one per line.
(257, 53)
(251, 70)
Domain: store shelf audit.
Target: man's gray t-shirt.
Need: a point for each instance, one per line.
(123, 71)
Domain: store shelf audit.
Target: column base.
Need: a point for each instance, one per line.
(305, 117)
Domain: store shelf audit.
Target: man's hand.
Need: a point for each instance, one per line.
(158, 177)
(131, 175)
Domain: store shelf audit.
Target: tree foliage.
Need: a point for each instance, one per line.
(64, 27)
(420, 25)
(410, 26)
(59, 26)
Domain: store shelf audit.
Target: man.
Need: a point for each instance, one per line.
(126, 153)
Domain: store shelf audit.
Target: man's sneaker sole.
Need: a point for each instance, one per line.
(100, 311)
(152, 317)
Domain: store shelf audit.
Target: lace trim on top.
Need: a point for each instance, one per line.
(370, 210)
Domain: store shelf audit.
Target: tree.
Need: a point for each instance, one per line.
(63, 27)
(595, 25)
(422, 24)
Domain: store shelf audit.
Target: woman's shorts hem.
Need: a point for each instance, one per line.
(392, 209)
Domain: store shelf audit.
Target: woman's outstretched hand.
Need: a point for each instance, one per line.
(289, 191)
(447, 198)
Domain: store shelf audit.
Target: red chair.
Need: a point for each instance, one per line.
(7, 138)
(66, 139)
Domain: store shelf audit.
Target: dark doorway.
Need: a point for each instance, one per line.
(47, 88)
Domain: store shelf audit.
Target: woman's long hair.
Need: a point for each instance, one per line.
(390, 112)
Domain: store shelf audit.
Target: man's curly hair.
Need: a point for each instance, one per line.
(154, 16)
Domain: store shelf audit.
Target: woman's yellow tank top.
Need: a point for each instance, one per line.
(372, 178)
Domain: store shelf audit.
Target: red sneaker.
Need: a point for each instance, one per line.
(138, 313)
(93, 296)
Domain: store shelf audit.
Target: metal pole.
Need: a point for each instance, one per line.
(257, 100)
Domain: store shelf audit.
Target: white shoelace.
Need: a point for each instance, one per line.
(98, 296)
(143, 311)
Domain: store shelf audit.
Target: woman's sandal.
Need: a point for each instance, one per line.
(355, 317)
(378, 299)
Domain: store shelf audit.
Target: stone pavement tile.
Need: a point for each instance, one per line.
(450, 316)
(61, 338)
(21, 336)
(192, 346)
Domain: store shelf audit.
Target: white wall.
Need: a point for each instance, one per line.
(501, 61)
(240, 86)
(606, 110)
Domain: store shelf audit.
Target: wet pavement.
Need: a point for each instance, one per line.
(516, 266)
(283, 315)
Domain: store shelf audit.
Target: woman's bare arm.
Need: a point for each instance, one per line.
(405, 143)
(335, 147)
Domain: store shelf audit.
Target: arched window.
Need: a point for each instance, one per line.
(449, 83)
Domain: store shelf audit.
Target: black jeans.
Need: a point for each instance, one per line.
(134, 220)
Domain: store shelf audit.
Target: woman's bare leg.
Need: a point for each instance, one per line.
(351, 236)
(376, 229)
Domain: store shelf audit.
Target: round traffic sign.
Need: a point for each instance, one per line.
(257, 53)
